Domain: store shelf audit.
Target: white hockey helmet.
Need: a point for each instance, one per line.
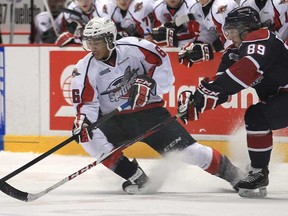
(99, 28)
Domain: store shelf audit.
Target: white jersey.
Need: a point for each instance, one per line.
(43, 22)
(136, 21)
(273, 15)
(207, 32)
(219, 11)
(97, 85)
(163, 14)
(79, 15)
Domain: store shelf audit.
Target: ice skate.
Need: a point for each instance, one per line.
(230, 173)
(137, 182)
(254, 185)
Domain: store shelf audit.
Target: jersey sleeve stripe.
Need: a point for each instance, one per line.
(245, 71)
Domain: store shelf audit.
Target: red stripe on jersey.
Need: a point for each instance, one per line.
(87, 95)
(260, 141)
(219, 30)
(245, 71)
(277, 22)
(151, 58)
(261, 34)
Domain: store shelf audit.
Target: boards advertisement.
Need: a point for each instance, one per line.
(222, 121)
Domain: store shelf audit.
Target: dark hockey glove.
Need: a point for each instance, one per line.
(186, 106)
(206, 96)
(140, 91)
(80, 129)
(195, 52)
(167, 36)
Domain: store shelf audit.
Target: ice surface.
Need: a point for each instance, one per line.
(179, 189)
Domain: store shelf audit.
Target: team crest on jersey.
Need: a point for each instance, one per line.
(75, 72)
(167, 17)
(105, 9)
(119, 87)
(138, 7)
(221, 9)
(283, 2)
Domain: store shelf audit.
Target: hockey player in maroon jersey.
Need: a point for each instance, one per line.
(136, 70)
(259, 60)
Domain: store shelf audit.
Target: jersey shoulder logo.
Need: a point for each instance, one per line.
(221, 9)
(138, 7)
(75, 72)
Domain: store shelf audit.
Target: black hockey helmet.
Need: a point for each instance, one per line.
(244, 19)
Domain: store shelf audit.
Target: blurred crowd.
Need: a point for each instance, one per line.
(168, 23)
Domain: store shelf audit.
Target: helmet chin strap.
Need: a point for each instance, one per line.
(110, 49)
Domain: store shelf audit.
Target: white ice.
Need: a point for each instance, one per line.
(182, 190)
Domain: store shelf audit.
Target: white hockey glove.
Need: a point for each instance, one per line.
(139, 93)
(187, 107)
(80, 129)
(195, 52)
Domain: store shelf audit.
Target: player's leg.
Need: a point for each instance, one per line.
(260, 120)
(118, 163)
(175, 137)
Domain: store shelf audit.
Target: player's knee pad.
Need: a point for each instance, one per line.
(255, 120)
(197, 154)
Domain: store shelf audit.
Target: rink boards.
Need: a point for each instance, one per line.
(38, 112)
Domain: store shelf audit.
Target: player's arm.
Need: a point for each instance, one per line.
(84, 103)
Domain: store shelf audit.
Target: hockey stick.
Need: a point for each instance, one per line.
(28, 197)
(183, 19)
(65, 142)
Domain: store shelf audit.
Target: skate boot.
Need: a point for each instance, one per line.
(137, 182)
(254, 185)
(229, 172)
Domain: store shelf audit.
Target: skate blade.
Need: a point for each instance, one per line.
(132, 189)
(253, 193)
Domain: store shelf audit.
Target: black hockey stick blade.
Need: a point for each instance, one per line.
(28, 197)
(65, 142)
(13, 192)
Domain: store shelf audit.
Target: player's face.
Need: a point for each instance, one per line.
(123, 4)
(55, 6)
(173, 3)
(85, 5)
(233, 34)
(98, 48)
(203, 2)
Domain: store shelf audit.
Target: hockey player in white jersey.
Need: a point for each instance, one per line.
(273, 15)
(165, 31)
(77, 15)
(46, 30)
(214, 12)
(135, 70)
(130, 16)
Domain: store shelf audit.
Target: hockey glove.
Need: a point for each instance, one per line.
(139, 93)
(186, 106)
(64, 39)
(195, 52)
(80, 128)
(165, 36)
(206, 96)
